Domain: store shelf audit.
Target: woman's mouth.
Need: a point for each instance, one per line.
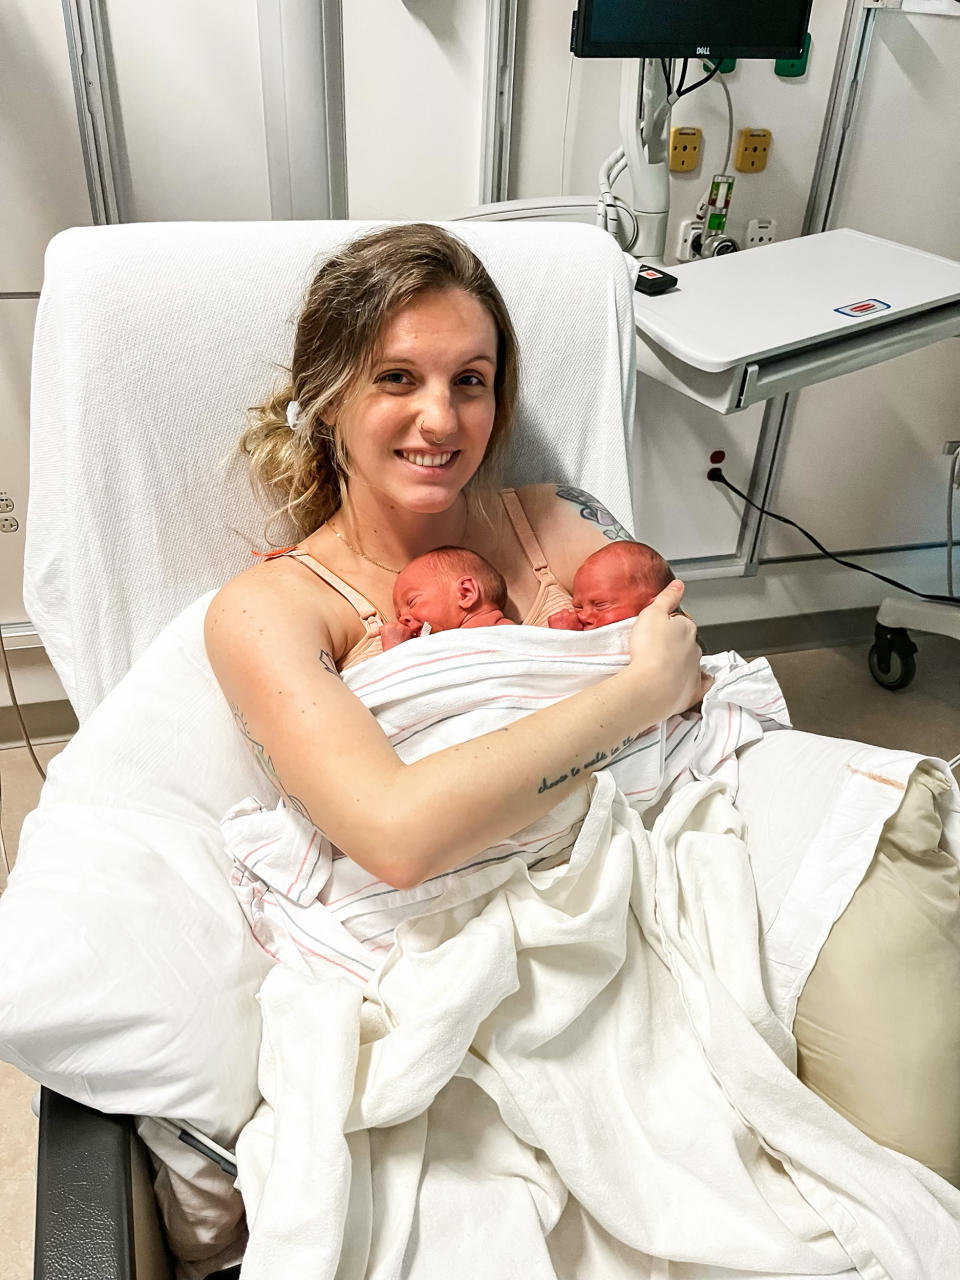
(429, 461)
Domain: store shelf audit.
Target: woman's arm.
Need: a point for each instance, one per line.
(407, 822)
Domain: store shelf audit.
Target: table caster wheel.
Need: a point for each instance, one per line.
(891, 659)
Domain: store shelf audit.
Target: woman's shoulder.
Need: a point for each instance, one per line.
(273, 597)
(570, 524)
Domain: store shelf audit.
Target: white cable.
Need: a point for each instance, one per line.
(610, 170)
(952, 764)
(950, 493)
(566, 118)
(726, 91)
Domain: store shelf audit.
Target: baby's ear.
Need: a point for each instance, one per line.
(468, 592)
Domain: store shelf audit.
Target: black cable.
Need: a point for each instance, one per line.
(716, 475)
(698, 83)
(666, 75)
(683, 76)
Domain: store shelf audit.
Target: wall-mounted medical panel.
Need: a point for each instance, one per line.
(413, 84)
(17, 318)
(44, 188)
(863, 464)
(191, 134)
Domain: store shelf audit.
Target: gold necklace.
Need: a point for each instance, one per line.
(370, 560)
(357, 552)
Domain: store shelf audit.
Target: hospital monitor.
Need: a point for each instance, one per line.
(712, 29)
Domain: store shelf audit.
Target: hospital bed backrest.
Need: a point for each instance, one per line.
(153, 340)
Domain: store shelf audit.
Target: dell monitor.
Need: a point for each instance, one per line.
(712, 29)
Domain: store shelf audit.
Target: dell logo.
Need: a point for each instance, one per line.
(703, 50)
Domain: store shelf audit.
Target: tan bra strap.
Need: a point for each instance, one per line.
(372, 620)
(527, 538)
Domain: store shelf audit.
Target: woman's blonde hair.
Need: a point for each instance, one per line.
(353, 296)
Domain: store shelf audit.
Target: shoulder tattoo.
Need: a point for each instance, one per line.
(596, 513)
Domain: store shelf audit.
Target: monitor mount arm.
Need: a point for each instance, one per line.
(644, 133)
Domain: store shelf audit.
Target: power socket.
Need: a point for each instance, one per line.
(689, 228)
(9, 524)
(760, 231)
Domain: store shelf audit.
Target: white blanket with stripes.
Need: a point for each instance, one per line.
(308, 905)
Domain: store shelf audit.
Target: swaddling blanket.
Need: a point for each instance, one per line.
(307, 904)
(571, 1074)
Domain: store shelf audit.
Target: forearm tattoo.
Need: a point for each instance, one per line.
(264, 761)
(596, 762)
(595, 512)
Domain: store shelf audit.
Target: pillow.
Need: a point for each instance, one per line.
(128, 974)
(878, 1027)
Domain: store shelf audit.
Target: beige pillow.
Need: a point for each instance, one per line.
(878, 1021)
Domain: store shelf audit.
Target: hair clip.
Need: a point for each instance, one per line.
(293, 412)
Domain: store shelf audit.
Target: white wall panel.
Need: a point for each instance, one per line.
(44, 187)
(17, 318)
(863, 466)
(191, 104)
(413, 85)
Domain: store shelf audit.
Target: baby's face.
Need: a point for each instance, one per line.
(421, 594)
(601, 595)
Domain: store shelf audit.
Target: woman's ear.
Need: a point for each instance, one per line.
(468, 592)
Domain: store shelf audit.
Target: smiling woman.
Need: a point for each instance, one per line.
(404, 375)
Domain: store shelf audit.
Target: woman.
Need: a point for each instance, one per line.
(403, 387)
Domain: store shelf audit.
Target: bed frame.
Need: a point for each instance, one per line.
(97, 1217)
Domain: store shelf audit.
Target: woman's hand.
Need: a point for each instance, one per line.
(664, 652)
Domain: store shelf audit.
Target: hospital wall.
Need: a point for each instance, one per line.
(861, 466)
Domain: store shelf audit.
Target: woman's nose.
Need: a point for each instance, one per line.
(437, 418)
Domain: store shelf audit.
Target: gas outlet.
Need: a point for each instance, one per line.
(685, 143)
(752, 148)
(9, 524)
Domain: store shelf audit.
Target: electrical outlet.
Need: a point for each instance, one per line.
(689, 228)
(760, 231)
(685, 141)
(6, 504)
(752, 147)
(9, 524)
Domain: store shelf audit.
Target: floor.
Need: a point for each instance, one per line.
(827, 690)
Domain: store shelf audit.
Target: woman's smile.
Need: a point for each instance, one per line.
(424, 461)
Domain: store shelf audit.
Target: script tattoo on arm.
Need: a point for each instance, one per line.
(595, 762)
(596, 513)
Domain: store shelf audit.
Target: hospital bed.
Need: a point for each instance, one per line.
(151, 342)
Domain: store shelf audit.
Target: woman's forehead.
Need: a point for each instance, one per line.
(449, 320)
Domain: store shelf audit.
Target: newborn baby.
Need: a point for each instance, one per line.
(442, 590)
(614, 583)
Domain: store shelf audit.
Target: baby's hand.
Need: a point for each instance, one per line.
(394, 633)
(565, 620)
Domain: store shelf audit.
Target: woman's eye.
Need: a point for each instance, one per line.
(395, 377)
(471, 380)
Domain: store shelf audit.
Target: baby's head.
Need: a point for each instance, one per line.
(444, 587)
(618, 581)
